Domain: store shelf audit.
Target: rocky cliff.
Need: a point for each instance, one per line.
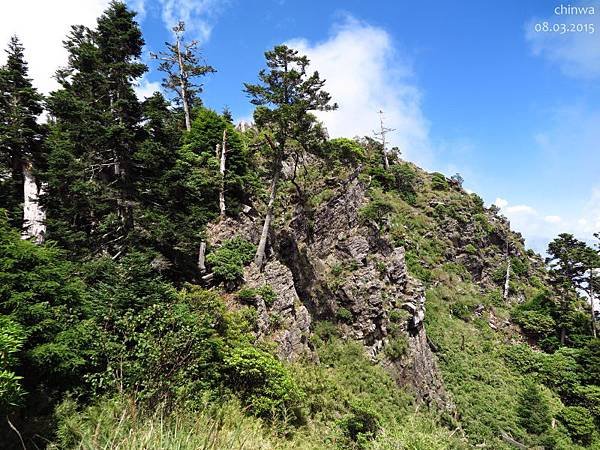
(331, 265)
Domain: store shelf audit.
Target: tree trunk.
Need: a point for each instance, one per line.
(182, 82)
(386, 162)
(592, 303)
(34, 216)
(201, 258)
(507, 279)
(563, 335)
(260, 252)
(222, 171)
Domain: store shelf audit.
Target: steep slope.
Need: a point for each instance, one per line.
(387, 258)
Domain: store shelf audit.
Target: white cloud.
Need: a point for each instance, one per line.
(138, 6)
(145, 88)
(42, 26)
(365, 74)
(539, 229)
(500, 202)
(198, 15)
(576, 53)
(553, 219)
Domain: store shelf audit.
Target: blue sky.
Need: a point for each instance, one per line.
(469, 85)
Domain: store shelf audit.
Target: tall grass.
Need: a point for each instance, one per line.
(118, 424)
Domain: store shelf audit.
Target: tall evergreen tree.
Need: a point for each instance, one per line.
(567, 265)
(182, 65)
(284, 99)
(96, 131)
(21, 136)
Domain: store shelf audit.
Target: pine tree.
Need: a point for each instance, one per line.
(181, 64)
(567, 268)
(21, 139)
(284, 100)
(96, 131)
(534, 411)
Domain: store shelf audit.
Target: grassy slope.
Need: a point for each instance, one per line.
(484, 387)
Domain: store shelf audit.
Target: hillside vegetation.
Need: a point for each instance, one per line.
(184, 283)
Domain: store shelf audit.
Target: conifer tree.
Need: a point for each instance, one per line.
(284, 99)
(96, 131)
(567, 268)
(534, 410)
(21, 138)
(181, 64)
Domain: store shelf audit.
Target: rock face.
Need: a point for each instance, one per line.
(330, 266)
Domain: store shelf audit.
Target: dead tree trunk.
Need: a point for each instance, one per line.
(507, 279)
(34, 216)
(592, 302)
(201, 257)
(259, 259)
(222, 171)
(182, 84)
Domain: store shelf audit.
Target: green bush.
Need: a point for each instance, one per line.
(12, 337)
(247, 294)
(439, 182)
(536, 323)
(345, 151)
(534, 410)
(579, 423)
(263, 383)
(396, 348)
(471, 249)
(267, 293)
(166, 352)
(227, 262)
(406, 179)
(362, 425)
(344, 314)
(376, 210)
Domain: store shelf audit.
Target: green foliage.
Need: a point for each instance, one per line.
(247, 294)
(267, 293)
(12, 337)
(376, 210)
(227, 262)
(439, 182)
(534, 410)
(343, 315)
(579, 424)
(471, 249)
(263, 383)
(396, 348)
(167, 351)
(406, 180)
(344, 151)
(362, 425)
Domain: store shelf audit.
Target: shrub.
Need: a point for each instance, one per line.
(263, 383)
(518, 266)
(396, 348)
(534, 410)
(471, 249)
(247, 294)
(579, 423)
(227, 262)
(343, 314)
(439, 182)
(376, 210)
(166, 351)
(406, 179)
(346, 151)
(12, 338)
(267, 293)
(536, 323)
(362, 425)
